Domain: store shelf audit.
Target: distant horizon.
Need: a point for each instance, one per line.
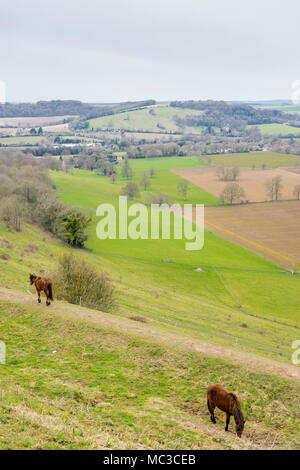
(275, 100)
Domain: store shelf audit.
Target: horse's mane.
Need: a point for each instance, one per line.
(238, 415)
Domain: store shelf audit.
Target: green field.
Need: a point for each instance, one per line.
(291, 108)
(270, 159)
(72, 383)
(275, 129)
(21, 140)
(232, 276)
(82, 379)
(98, 188)
(161, 120)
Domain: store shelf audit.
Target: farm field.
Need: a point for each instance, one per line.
(269, 159)
(270, 229)
(273, 129)
(233, 275)
(76, 378)
(151, 119)
(252, 181)
(290, 108)
(101, 189)
(22, 140)
(153, 290)
(33, 121)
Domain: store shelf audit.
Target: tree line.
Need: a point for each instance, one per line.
(27, 195)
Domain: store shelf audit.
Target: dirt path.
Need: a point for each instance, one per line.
(155, 333)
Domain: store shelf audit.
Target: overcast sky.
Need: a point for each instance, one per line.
(117, 50)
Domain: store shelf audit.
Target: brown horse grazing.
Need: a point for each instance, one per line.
(226, 401)
(42, 284)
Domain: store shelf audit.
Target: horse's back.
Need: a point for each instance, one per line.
(218, 395)
(216, 388)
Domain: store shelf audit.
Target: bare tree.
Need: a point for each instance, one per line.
(235, 173)
(232, 193)
(152, 172)
(296, 191)
(126, 170)
(131, 190)
(228, 174)
(113, 177)
(144, 181)
(183, 187)
(274, 188)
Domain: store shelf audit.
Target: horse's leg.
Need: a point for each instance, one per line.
(211, 406)
(47, 295)
(39, 295)
(227, 421)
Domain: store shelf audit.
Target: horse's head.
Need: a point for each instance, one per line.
(239, 428)
(32, 278)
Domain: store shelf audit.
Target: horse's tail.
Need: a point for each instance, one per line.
(237, 411)
(50, 291)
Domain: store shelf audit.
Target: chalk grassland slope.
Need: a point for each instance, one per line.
(234, 277)
(268, 159)
(252, 181)
(154, 119)
(154, 291)
(278, 129)
(71, 383)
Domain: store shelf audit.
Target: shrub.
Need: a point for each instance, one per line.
(75, 278)
(131, 190)
(75, 225)
(232, 193)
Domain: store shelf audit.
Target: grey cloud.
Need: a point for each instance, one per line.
(119, 50)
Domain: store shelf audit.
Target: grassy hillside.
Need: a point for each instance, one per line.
(136, 378)
(270, 159)
(283, 129)
(233, 276)
(151, 119)
(73, 384)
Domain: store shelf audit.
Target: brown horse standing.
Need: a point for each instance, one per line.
(226, 401)
(42, 284)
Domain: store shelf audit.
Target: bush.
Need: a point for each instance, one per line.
(74, 278)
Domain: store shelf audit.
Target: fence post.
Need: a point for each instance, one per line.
(80, 301)
(236, 342)
(27, 290)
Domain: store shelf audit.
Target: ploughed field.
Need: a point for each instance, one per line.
(270, 229)
(252, 181)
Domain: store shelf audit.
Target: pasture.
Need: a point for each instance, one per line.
(21, 140)
(136, 377)
(151, 119)
(247, 160)
(79, 379)
(252, 181)
(278, 129)
(233, 275)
